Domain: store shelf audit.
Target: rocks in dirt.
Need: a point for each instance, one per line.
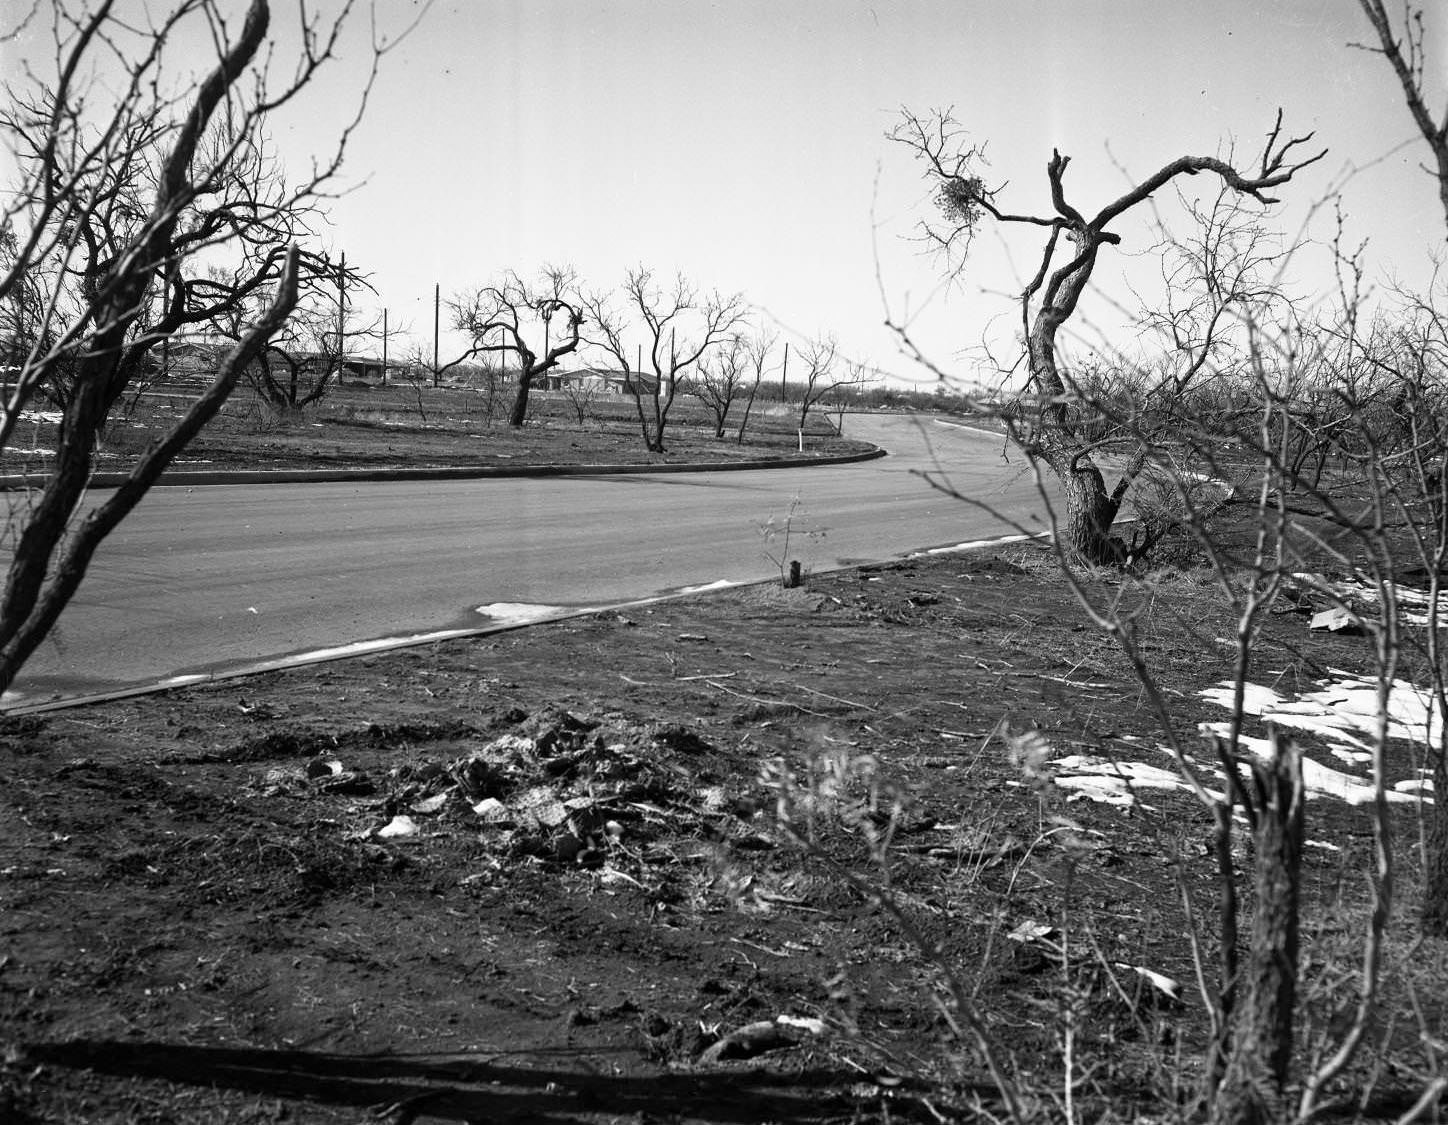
(995, 565)
(680, 740)
(568, 789)
(428, 806)
(1031, 931)
(1040, 945)
(278, 744)
(485, 774)
(323, 767)
(319, 775)
(393, 733)
(760, 1037)
(399, 827)
(490, 810)
(313, 744)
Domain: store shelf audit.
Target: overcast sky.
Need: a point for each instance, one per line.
(743, 143)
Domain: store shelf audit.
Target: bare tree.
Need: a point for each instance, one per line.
(304, 359)
(1046, 422)
(1405, 54)
(679, 327)
(824, 374)
(721, 379)
(580, 394)
(759, 346)
(123, 185)
(501, 318)
(1221, 286)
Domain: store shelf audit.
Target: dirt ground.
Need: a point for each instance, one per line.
(539, 876)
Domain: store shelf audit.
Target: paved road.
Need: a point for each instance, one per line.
(206, 579)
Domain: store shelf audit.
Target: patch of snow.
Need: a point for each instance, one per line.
(520, 613)
(1339, 710)
(182, 681)
(1319, 780)
(1112, 782)
(721, 584)
(1343, 711)
(1413, 604)
(359, 648)
(976, 544)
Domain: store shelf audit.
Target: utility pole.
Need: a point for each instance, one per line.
(784, 374)
(436, 304)
(384, 347)
(341, 314)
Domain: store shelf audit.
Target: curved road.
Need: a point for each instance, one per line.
(210, 579)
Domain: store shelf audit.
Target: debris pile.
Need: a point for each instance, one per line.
(560, 787)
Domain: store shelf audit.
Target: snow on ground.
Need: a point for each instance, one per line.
(1342, 712)
(977, 544)
(1112, 783)
(1413, 605)
(718, 584)
(521, 613)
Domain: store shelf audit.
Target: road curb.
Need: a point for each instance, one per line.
(441, 472)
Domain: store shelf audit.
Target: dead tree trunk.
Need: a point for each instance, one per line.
(1433, 918)
(519, 413)
(1260, 1030)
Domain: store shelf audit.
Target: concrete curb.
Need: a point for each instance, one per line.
(441, 472)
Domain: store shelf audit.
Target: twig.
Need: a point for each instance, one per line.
(835, 698)
(767, 702)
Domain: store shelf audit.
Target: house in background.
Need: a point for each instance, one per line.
(368, 367)
(603, 381)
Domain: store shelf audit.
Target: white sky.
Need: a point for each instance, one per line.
(743, 142)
